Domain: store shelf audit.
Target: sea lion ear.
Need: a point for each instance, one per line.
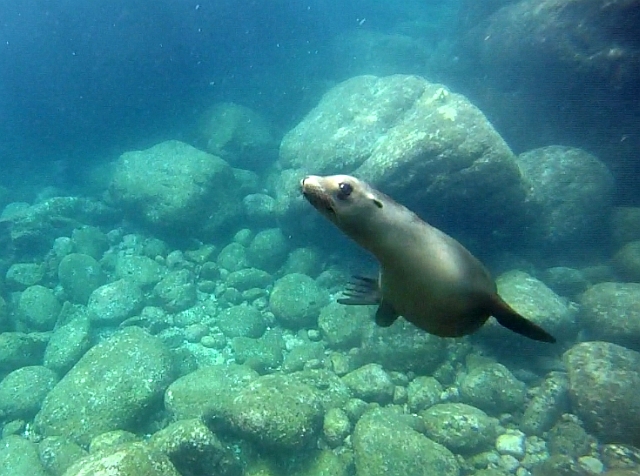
(375, 201)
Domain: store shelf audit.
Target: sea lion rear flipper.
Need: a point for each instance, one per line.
(385, 315)
(510, 319)
(361, 291)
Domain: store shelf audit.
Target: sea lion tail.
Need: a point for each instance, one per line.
(509, 318)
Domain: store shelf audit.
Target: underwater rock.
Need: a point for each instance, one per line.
(423, 392)
(573, 193)
(263, 354)
(401, 348)
(625, 225)
(343, 326)
(176, 291)
(248, 278)
(370, 383)
(133, 459)
(336, 427)
(23, 391)
(492, 388)
(112, 303)
(233, 257)
(296, 300)
(194, 450)
(22, 275)
(603, 385)
(39, 308)
(90, 240)
(537, 302)
(549, 402)
(57, 454)
(411, 139)
(111, 387)
(80, 275)
(242, 320)
(18, 349)
(275, 411)
(268, 249)
(385, 445)
(626, 261)
(461, 428)
(171, 187)
(611, 312)
(19, 457)
(569, 438)
(140, 270)
(67, 344)
(306, 260)
(207, 390)
(302, 356)
(239, 135)
(259, 208)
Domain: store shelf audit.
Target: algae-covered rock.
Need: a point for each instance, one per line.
(384, 445)
(177, 291)
(626, 261)
(343, 326)
(233, 257)
(57, 454)
(22, 275)
(423, 392)
(19, 457)
(90, 240)
(370, 383)
(195, 450)
(611, 312)
(569, 438)
(336, 427)
(300, 355)
(39, 308)
(140, 270)
(134, 459)
(263, 354)
(492, 388)
(461, 428)
(268, 249)
(241, 320)
(23, 391)
(111, 387)
(549, 402)
(296, 300)
(276, 412)
(603, 385)
(114, 302)
(67, 344)
(18, 349)
(206, 390)
(172, 185)
(80, 275)
(249, 278)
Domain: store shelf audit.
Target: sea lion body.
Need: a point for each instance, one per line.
(426, 276)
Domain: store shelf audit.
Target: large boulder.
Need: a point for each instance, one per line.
(416, 141)
(603, 386)
(174, 186)
(112, 387)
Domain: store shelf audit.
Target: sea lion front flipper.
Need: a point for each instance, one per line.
(509, 318)
(385, 315)
(361, 291)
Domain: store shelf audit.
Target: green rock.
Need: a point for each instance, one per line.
(57, 454)
(177, 291)
(423, 392)
(569, 438)
(112, 303)
(110, 388)
(89, 240)
(331, 390)
(276, 412)
(296, 301)
(384, 445)
(370, 383)
(298, 356)
(461, 428)
(336, 427)
(262, 355)
(80, 275)
(268, 249)
(206, 390)
(22, 275)
(19, 457)
(18, 349)
(67, 344)
(23, 391)
(141, 270)
(305, 261)
(111, 439)
(343, 326)
(134, 459)
(195, 450)
(233, 257)
(39, 308)
(248, 278)
(242, 320)
(493, 388)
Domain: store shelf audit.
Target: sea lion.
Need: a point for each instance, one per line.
(425, 275)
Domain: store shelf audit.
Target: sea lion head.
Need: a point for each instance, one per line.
(346, 201)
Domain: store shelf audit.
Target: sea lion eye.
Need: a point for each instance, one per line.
(344, 190)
